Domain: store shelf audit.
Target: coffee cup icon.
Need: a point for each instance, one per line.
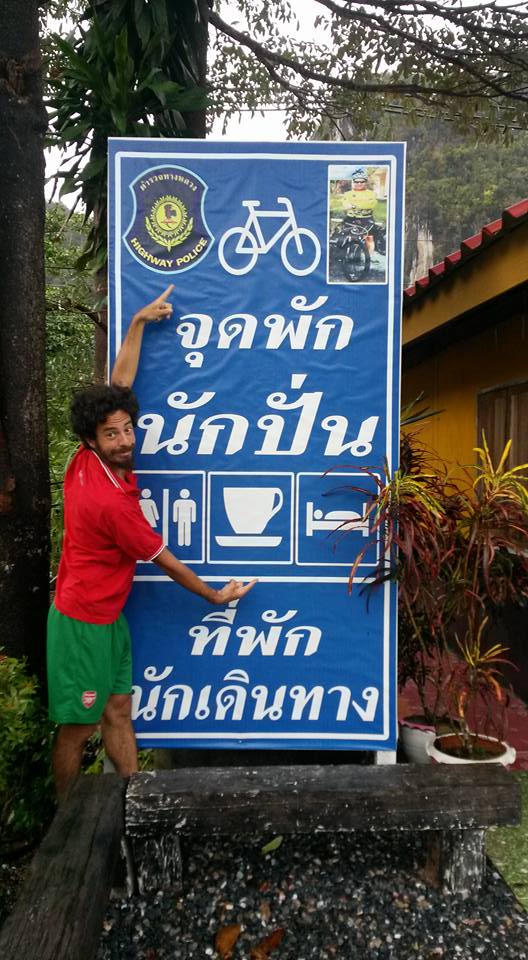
(250, 509)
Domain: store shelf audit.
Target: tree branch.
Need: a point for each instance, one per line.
(442, 53)
(79, 308)
(267, 57)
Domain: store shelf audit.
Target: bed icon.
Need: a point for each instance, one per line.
(346, 521)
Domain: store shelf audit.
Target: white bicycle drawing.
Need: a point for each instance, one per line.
(242, 246)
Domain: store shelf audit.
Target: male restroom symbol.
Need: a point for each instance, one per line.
(184, 515)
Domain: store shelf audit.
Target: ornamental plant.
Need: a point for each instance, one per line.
(459, 552)
(491, 570)
(493, 532)
(477, 698)
(414, 511)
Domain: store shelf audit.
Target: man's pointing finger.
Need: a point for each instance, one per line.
(166, 293)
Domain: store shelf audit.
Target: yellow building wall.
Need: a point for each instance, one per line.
(452, 379)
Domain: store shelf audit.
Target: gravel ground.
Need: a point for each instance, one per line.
(357, 896)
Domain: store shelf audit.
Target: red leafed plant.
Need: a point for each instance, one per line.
(458, 550)
(415, 512)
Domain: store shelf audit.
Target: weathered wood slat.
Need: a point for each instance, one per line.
(312, 798)
(157, 862)
(456, 859)
(61, 908)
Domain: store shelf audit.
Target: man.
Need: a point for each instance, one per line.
(89, 660)
(361, 200)
(359, 205)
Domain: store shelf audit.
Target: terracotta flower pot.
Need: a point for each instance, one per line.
(444, 749)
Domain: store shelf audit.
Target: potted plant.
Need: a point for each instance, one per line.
(457, 551)
(478, 704)
(490, 570)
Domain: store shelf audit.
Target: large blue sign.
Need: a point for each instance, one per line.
(273, 384)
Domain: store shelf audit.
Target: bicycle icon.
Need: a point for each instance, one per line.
(240, 247)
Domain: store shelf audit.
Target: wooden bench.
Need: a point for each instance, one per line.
(60, 911)
(59, 914)
(454, 804)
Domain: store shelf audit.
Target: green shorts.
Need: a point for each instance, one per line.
(87, 663)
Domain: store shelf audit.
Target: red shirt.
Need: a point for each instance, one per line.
(105, 533)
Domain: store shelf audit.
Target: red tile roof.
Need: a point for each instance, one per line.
(511, 217)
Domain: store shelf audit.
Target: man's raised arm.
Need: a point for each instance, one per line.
(127, 360)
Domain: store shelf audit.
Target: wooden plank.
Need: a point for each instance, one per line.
(456, 860)
(61, 908)
(320, 798)
(157, 862)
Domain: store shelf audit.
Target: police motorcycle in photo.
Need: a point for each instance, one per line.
(353, 244)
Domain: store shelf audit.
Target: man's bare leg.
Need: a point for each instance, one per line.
(118, 734)
(67, 754)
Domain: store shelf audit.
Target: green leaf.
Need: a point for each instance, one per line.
(69, 185)
(163, 85)
(112, 85)
(119, 119)
(124, 63)
(272, 845)
(68, 50)
(141, 22)
(90, 261)
(69, 133)
(190, 100)
(92, 168)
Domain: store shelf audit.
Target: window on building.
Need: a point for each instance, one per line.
(503, 415)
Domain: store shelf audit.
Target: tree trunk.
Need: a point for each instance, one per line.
(196, 119)
(24, 475)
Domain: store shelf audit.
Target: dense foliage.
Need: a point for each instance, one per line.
(26, 796)
(459, 553)
(133, 68)
(130, 69)
(455, 186)
(70, 324)
(343, 58)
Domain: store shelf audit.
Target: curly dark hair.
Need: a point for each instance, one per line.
(91, 406)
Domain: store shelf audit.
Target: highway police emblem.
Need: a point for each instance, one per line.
(168, 232)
